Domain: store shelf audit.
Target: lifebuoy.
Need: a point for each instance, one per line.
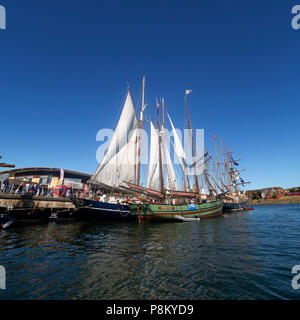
(123, 215)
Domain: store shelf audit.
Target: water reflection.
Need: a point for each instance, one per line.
(235, 256)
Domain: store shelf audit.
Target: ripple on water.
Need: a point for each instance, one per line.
(247, 255)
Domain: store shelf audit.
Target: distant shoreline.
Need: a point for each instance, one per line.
(268, 202)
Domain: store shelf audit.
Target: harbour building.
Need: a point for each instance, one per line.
(46, 176)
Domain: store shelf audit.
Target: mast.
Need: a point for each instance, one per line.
(140, 133)
(214, 138)
(171, 181)
(202, 185)
(208, 182)
(192, 146)
(231, 170)
(225, 164)
(213, 174)
(178, 149)
(163, 105)
(160, 153)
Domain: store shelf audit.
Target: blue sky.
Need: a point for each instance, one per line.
(65, 65)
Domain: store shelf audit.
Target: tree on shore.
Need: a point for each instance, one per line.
(296, 189)
(256, 195)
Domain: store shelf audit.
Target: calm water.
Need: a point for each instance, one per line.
(246, 255)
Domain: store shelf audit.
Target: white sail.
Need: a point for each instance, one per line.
(154, 175)
(171, 182)
(180, 154)
(177, 143)
(119, 162)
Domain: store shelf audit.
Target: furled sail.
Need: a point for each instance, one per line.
(120, 161)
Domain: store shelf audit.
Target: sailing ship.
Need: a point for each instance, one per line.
(161, 199)
(119, 175)
(117, 165)
(234, 198)
(237, 200)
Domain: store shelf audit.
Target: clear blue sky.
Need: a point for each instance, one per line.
(65, 65)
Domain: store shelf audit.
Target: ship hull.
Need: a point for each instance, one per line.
(96, 210)
(235, 206)
(165, 212)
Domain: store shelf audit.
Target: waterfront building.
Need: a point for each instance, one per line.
(47, 176)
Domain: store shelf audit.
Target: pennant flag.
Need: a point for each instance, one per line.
(61, 178)
(214, 137)
(234, 162)
(242, 181)
(188, 92)
(157, 104)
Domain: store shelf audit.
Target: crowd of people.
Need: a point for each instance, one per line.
(34, 189)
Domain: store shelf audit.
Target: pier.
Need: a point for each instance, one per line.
(16, 207)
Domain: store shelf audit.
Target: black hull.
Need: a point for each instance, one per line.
(235, 206)
(95, 210)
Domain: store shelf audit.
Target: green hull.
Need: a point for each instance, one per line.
(166, 212)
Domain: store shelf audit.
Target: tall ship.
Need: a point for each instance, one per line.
(118, 164)
(162, 199)
(230, 180)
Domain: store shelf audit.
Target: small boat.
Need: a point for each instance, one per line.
(235, 206)
(248, 208)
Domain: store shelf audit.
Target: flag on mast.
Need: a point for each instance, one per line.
(188, 92)
(234, 162)
(214, 137)
(157, 104)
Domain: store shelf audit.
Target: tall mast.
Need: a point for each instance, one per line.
(213, 174)
(192, 145)
(163, 106)
(218, 163)
(202, 184)
(225, 164)
(208, 182)
(231, 170)
(160, 153)
(180, 155)
(140, 133)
